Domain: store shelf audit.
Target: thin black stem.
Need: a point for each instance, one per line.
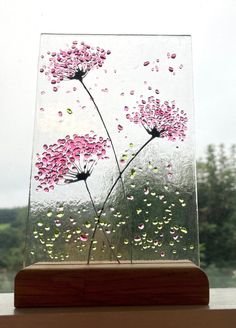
(108, 134)
(91, 198)
(124, 169)
(97, 223)
(117, 179)
(104, 124)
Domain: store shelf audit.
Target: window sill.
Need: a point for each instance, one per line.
(221, 312)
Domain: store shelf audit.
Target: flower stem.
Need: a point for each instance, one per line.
(95, 229)
(115, 183)
(108, 134)
(104, 124)
(124, 169)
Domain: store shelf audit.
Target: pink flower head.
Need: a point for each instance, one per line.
(74, 62)
(69, 160)
(160, 120)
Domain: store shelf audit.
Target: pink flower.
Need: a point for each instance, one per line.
(160, 120)
(69, 160)
(74, 62)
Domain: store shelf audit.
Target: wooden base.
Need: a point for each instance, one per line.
(72, 284)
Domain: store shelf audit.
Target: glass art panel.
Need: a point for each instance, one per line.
(113, 173)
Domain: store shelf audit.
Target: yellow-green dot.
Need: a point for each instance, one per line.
(87, 224)
(69, 111)
(49, 245)
(124, 157)
(132, 174)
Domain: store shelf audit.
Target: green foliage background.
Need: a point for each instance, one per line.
(217, 223)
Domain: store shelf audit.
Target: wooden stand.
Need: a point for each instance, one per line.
(72, 284)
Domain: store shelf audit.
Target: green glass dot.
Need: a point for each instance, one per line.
(87, 224)
(139, 210)
(149, 165)
(132, 174)
(184, 230)
(49, 245)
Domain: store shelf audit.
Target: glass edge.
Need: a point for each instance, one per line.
(116, 34)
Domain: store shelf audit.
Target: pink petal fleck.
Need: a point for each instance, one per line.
(83, 237)
(120, 127)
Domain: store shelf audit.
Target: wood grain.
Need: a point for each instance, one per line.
(75, 284)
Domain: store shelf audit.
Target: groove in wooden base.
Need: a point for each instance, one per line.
(73, 284)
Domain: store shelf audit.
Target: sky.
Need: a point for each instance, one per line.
(211, 23)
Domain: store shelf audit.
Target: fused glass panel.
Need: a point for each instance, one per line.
(113, 172)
